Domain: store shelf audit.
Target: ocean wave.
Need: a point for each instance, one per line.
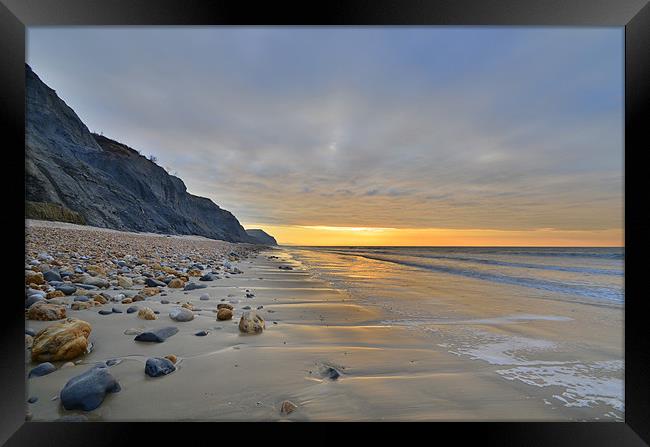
(604, 293)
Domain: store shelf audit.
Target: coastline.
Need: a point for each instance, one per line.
(389, 370)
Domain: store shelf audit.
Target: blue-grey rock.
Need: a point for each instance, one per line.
(116, 310)
(246, 308)
(85, 286)
(33, 299)
(52, 275)
(194, 286)
(157, 312)
(82, 298)
(204, 297)
(41, 370)
(154, 283)
(87, 390)
(105, 312)
(65, 273)
(29, 331)
(158, 335)
(113, 362)
(201, 333)
(164, 302)
(158, 366)
(181, 314)
(66, 289)
(32, 399)
(132, 309)
(207, 277)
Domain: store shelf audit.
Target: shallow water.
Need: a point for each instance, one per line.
(548, 321)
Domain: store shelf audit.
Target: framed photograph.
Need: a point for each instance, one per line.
(360, 213)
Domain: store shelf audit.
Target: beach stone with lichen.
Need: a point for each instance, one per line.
(65, 340)
(251, 323)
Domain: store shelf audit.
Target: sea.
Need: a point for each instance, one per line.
(546, 319)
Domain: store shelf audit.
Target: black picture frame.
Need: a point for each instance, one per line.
(634, 15)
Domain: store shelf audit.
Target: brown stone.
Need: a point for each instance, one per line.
(287, 407)
(224, 314)
(137, 298)
(81, 305)
(54, 294)
(150, 291)
(225, 306)
(100, 299)
(127, 301)
(172, 358)
(195, 272)
(251, 322)
(64, 340)
(46, 312)
(125, 282)
(32, 277)
(147, 314)
(176, 284)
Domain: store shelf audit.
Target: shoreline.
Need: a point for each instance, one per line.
(388, 371)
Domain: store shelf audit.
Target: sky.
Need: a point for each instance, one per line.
(367, 136)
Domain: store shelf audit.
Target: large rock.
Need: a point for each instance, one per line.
(46, 311)
(65, 340)
(157, 335)
(251, 323)
(87, 390)
(181, 314)
(158, 366)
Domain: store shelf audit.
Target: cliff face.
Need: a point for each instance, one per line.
(262, 236)
(107, 183)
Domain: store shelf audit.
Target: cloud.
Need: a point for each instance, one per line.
(492, 128)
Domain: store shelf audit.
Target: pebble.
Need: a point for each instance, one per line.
(154, 283)
(201, 333)
(117, 311)
(52, 275)
(157, 366)
(87, 390)
(146, 313)
(287, 407)
(132, 309)
(194, 286)
(41, 370)
(32, 399)
(67, 289)
(105, 312)
(251, 323)
(204, 297)
(224, 314)
(181, 314)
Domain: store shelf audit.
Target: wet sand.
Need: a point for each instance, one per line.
(389, 370)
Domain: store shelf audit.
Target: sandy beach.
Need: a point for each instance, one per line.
(483, 356)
